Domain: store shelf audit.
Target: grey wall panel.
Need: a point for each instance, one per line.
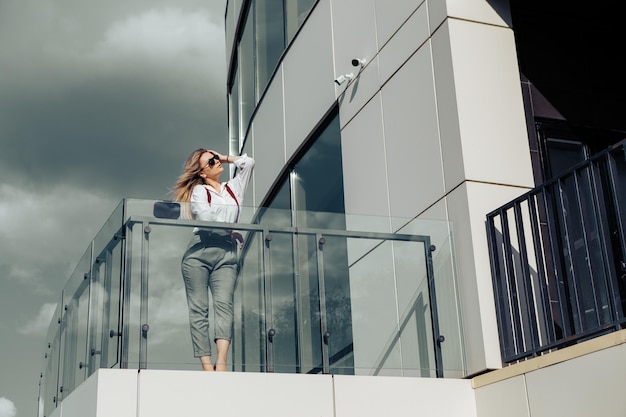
(408, 39)
(364, 163)
(390, 15)
(414, 162)
(308, 72)
(269, 138)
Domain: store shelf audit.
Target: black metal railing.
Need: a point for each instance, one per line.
(558, 257)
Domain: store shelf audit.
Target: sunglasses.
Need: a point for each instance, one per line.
(212, 161)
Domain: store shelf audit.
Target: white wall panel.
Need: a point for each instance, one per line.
(467, 206)
(390, 15)
(483, 131)
(108, 392)
(364, 165)
(308, 72)
(82, 401)
(193, 393)
(354, 35)
(484, 11)
(507, 397)
(434, 224)
(493, 134)
(404, 43)
(414, 161)
(447, 111)
(352, 97)
(269, 138)
(590, 385)
(357, 396)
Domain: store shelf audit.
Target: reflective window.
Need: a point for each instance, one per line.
(233, 115)
(246, 73)
(315, 183)
(269, 27)
(310, 196)
(296, 11)
(270, 39)
(317, 180)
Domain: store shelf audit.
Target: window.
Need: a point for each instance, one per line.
(296, 11)
(312, 196)
(246, 75)
(270, 39)
(269, 26)
(315, 183)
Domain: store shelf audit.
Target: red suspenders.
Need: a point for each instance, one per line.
(208, 195)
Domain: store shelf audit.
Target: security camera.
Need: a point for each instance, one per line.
(342, 78)
(358, 62)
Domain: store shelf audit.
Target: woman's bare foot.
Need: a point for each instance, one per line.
(221, 367)
(208, 367)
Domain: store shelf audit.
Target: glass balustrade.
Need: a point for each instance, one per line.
(316, 293)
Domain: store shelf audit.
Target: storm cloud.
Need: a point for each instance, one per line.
(98, 101)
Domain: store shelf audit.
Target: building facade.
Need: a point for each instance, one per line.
(424, 110)
(428, 125)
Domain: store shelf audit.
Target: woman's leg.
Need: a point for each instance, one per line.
(196, 278)
(207, 365)
(222, 354)
(222, 283)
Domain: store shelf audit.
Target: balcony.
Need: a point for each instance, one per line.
(317, 293)
(558, 258)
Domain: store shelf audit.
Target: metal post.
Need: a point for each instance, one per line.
(143, 309)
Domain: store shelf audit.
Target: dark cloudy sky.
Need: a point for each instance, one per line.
(99, 100)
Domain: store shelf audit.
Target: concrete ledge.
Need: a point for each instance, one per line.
(552, 358)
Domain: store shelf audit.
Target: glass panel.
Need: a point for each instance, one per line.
(270, 39)
(169, 340)
(308, 305)
(395, 337)
(282, 303)
(281, 271)
(316, 191)
(249, 346)
(131, 327)
(447, 296)
(105, 309)
(246, 66)
(278, 214)
(113, 311)
(233, 114)
(337, 287)
(111, 231)
(74, 325)
(414, 312)
(376, 351)
(48, 398)
(96, 313)
(296, 11)
(564, 154)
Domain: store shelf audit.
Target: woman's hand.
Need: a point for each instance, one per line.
(237, 238)
(220, 156)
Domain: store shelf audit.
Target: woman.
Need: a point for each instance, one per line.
(210, 261)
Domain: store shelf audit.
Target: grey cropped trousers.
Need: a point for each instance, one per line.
(209, 264)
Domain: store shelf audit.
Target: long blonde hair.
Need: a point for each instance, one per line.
(189, 179)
